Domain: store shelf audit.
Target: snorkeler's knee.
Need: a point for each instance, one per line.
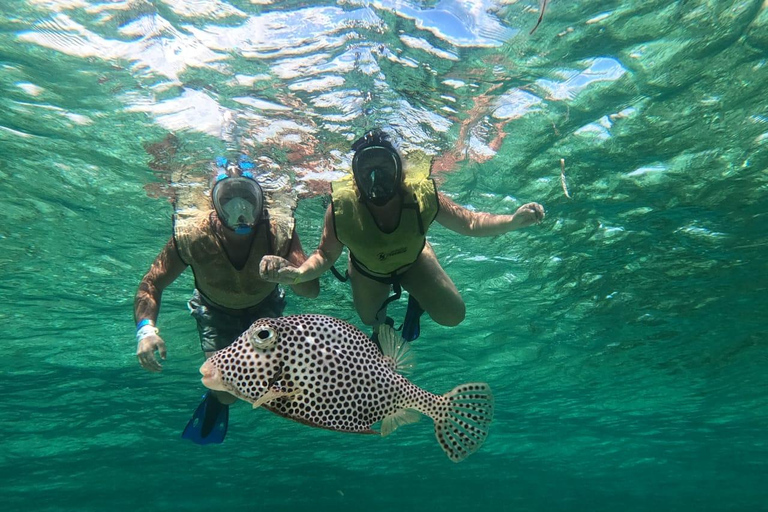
(451, 317)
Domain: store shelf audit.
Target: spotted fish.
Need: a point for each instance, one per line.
(326, 373)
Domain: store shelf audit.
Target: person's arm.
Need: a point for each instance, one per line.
(297, 257)
(280, 270)
(146, 305)
(466, 222)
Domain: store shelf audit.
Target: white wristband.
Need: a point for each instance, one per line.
(145, 331)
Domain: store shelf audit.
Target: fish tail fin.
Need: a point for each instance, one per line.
(395, 349)
(463, 426)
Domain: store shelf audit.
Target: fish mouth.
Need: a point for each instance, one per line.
(212, 377)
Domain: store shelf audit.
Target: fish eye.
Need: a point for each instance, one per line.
(262, 337)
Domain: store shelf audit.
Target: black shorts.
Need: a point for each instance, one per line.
(220, 327)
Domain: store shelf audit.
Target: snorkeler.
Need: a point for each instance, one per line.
(224, 246)
(382, 217)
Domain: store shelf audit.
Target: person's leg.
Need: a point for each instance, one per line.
(223, 329)
(368, 296)
(430, 285)
(222, 396)
(216, 332)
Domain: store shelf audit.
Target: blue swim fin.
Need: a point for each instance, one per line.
(411, 327)
(209, 421)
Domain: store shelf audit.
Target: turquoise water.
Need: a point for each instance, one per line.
(624, 337)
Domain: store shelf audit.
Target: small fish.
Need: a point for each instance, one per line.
(326, 373)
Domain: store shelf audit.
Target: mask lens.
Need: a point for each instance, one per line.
(377, 173)
(238, 202)
(382, 184)
(239, 211)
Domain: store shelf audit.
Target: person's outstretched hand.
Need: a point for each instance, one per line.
(530, 213)
(278, 270)
(146, 353)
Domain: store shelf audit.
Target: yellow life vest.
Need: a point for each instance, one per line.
(379, 252)
(215, 275)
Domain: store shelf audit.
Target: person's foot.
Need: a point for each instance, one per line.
(209, 422)
(225, 398)
(411, 324)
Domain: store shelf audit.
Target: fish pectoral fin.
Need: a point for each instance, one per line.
(400, 417)
(273, 394)
(394, 349)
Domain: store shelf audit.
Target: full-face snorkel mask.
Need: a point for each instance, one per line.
(237, 196)
(377, 168)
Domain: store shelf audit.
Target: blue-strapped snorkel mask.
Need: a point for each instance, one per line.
(237, 196)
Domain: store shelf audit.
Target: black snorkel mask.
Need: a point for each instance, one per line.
(237, 196)
(377, 168)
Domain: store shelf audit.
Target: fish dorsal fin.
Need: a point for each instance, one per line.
(395, 349)
(398, 418)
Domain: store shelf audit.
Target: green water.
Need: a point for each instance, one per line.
(624, 337)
